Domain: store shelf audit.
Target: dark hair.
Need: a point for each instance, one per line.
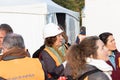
(104, 37)
(50, 41)
(6, 28)
(83, 30)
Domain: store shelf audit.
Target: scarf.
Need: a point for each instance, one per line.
(107, 69)
(58, 53)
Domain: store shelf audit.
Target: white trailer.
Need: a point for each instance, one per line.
(102, 16)
(28, 17)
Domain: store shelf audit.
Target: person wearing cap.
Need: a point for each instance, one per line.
(81, 35)
(52, 57)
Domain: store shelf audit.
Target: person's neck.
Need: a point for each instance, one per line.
(110, 52)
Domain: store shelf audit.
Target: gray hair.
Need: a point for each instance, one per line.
(13, 40)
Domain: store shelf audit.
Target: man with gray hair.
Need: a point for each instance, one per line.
(15, 62)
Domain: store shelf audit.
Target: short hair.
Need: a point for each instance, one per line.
(6, 28)
(13, 40)
(50, 41)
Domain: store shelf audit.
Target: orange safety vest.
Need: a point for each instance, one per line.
(53, 56)
(22, 69)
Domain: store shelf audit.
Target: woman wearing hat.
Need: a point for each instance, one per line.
(51, 56)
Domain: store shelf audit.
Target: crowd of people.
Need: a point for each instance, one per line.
(90, 58)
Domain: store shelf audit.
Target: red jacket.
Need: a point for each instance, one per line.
(116, 72)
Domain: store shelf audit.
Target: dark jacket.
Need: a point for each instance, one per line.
(37, 52)
(51, 66)
(95, 76)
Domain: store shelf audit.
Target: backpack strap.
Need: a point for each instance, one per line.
(83, 76)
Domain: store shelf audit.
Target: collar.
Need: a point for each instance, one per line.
(99, 64)
(14, 53)
(112, 54)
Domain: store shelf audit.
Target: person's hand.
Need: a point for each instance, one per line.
(62, 78)
(64, 63)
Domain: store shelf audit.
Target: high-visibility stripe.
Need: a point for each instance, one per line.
(53, 56)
